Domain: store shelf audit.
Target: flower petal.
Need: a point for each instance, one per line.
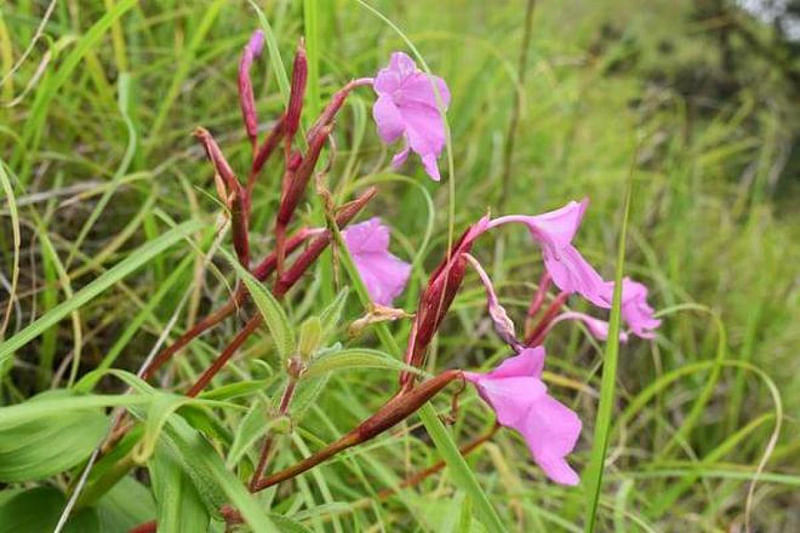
(572, 273)
(400, 157)
(384, 274)
(388, 119)
(551, 431)
(509, 397)
(597, 327)
(431, 168)
(529, 362)
(419, 88)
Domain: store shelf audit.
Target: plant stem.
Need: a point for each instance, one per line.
(535, 337)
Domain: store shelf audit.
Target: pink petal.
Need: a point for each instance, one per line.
(386, 81)
(256, 43)
(408, 104)
(401, 63)
(424, 128)
(419, 89)
(400, 157)
(572, 273)
(636, 312)
(551, 431)
(529, 362)
(384, 274)
(388, 119)
(509, 397)
(431, 168)
(367, 237)
(598, 328)
(559, 226)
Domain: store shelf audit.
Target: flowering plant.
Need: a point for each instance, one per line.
(410, 107)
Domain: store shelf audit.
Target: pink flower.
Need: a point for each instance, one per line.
(519, 397)
(598, 328)
(384, 274)
(554, 232)
(636, 312)
(407, 107)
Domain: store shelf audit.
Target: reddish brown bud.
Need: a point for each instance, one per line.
(217, 159)
(435, 301)
(251, 51)
(329, 113)
(297, 181)
(298, 89)
(238, 198)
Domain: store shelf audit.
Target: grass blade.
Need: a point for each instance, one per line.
(602, 429)
(134, 261)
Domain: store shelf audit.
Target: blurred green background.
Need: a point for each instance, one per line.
(697, 101)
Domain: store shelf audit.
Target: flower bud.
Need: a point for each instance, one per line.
(298, 89)
(251, 51)
(310, 338)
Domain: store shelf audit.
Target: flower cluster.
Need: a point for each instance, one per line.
(410, 106)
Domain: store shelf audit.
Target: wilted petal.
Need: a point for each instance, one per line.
(384, 275)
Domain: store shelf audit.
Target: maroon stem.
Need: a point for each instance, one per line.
(538, 297)
(344, 215)
(288, 393)
(397, 409)
(223, 358)
(536, 336)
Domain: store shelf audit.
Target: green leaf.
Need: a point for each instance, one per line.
(275, 60)
(179, 507)
(593, 478)
(213, 481)
(332, 314)
(287, 525)
(354, 358)
(270, 310)
(135, 260)
(238, 389)
(126, 505)
(39, 446)
(39, 509)
(159, 411)
(252, 426)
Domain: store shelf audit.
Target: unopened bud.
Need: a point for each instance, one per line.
(310, 338)
(298, 89)
(251, 51)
